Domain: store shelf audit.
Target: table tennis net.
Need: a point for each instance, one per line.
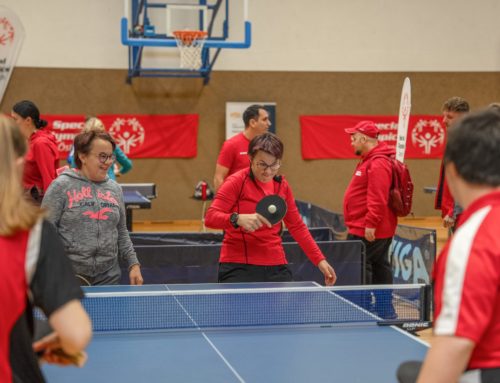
(228, 308)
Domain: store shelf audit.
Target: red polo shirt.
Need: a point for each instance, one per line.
(467, 282)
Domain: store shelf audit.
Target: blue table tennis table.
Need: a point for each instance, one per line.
(137, 196)
(228, 333)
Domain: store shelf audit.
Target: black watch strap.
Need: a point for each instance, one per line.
(234, 220)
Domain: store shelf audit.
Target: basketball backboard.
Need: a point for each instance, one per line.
(147, 29)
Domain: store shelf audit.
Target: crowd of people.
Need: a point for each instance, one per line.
(76, 218)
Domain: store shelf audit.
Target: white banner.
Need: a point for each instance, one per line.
(11, 40)
(234, 116)
(404, 118)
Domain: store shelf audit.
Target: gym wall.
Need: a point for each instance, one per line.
(321, 182)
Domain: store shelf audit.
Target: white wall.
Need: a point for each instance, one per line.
(314, 35)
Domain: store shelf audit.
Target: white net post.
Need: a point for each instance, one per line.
(190, 45)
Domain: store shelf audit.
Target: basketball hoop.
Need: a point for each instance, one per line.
(190, 44)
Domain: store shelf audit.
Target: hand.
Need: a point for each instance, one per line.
(135, 275)
(369, 234)
(51, 352)
(448, 221)
(252, 222)
(328, 272)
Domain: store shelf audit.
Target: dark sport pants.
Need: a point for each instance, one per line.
(241, 272)
(378, 271)
(378, 268)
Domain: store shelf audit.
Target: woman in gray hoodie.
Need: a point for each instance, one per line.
(87, 208)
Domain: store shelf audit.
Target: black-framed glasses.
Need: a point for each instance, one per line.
(103, 157)
(263, 166)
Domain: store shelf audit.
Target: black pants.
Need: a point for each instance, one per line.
(408, 373)
(241, 272)
(378, 267)
(378, 271)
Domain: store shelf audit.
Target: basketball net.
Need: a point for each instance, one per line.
(190, 45)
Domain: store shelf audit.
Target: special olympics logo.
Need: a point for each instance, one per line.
(128, 133)
(7, 31)
(428, 135)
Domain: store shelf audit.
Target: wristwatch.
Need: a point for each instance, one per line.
(234, 220)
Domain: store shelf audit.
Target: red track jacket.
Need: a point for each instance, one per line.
(366, 200)
(41, 161)
(240, 193)
(444, 200)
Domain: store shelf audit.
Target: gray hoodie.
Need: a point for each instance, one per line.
(90, 219)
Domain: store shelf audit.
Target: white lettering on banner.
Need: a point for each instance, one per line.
(388, 137)
(387, 126)
(64, 125)
(65, 136)
(64, 147)
(408, 262)
(11, 40)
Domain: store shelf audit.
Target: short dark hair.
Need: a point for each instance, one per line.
(456, 104)
(83, 143)
(27, 109)
(252, 113)
(473, 147)
(267, 142)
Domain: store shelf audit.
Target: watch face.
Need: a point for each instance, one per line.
(234, 219)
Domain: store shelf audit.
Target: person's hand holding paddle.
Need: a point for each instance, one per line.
(252, 222)
(50, 350)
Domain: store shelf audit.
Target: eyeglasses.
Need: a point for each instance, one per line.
(261, 165)
(103, 157)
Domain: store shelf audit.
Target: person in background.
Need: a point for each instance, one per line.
(34, 271)
(233, 155)
(88, 211)
(466, 342)
(367, 214)
(252, 250)
(42, 159)
(121, 166)
(453, 109)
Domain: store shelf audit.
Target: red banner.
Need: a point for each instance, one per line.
(139, 136)
(324, 136)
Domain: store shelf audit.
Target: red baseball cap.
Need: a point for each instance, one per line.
(365, 127)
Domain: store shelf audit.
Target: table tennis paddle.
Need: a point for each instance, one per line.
(42, 328)
(272, 207)
(78, 359)
(82, 281)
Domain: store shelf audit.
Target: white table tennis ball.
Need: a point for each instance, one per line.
(272, 209)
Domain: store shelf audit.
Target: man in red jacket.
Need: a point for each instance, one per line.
(367, 214)
(453, 109)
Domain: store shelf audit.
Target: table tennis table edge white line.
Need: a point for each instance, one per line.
(411, 336)
(226, 362)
